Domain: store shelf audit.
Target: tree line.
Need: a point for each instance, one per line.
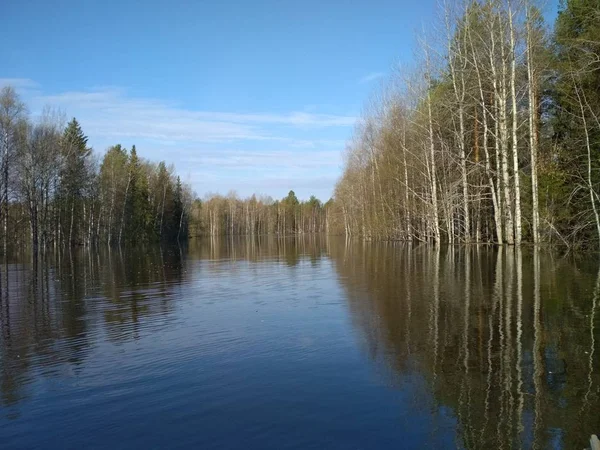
(494, 137)
(253, 216)
(55, 192)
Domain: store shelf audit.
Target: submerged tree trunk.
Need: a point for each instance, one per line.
(458, 84)
(515, 146)
(5, 193)
(162, 211)
(533, 138)
(124, 208)
(433, 178)
(71, 225)
(502, 101)
(488, 169)
(180, 224)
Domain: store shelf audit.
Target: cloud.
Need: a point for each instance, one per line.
(18, 83)
(267, 161)
(112, 113)
(371, 77)
(215, 150)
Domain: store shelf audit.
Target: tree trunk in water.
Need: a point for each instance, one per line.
(162, 212)
(180, 222)
(515, 147)
(406, 193)
(508, 205)
(124, 206)
(459, 92)
(34, 230)
(488, 170)
(533, 141)
(436, 226)
(71, 225)
(5, 193)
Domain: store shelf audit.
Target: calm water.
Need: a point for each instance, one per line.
(300, 343)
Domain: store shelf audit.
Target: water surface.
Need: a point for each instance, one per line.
(300, 343)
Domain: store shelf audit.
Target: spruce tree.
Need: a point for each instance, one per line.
(138, 207)
(73, 182)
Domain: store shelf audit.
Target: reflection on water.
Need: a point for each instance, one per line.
(504, 338)
(298, 343)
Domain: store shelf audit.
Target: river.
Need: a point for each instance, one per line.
(306, 342)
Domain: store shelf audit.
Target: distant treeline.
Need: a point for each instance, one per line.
(230, 215)
(495, 137)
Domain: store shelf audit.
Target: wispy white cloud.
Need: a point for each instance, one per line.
(216, 150)
(270, 161)
(18, 83)
(371, 77)
(112, 113)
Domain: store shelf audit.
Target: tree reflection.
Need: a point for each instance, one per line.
(53, 313)
(289, 250)
(50, 308)
(503, 337)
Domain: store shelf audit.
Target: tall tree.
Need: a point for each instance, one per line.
(113, 182)
(74, 180)
(38, 165)
(12, 111)
(536, 50)
(138, 211)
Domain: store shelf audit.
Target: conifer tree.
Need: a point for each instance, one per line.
(73, 181)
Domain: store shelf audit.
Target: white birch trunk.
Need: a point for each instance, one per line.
(515, 146)
(533, 139)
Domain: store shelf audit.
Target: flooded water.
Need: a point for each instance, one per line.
(300, 343)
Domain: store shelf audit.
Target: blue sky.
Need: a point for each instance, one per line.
(252, 96)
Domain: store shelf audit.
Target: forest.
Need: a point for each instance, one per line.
(493, 136)
(56, 192)
(218, 215)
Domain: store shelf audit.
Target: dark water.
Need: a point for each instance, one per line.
(300, 343)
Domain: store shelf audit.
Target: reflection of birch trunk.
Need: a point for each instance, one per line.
(434, 310)
(502, 344)
(407, 283)
(496, 296)
(465, 394)
(508, 348)
(466, 315)
(537, 348)
(520, 392)
(586, 402)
